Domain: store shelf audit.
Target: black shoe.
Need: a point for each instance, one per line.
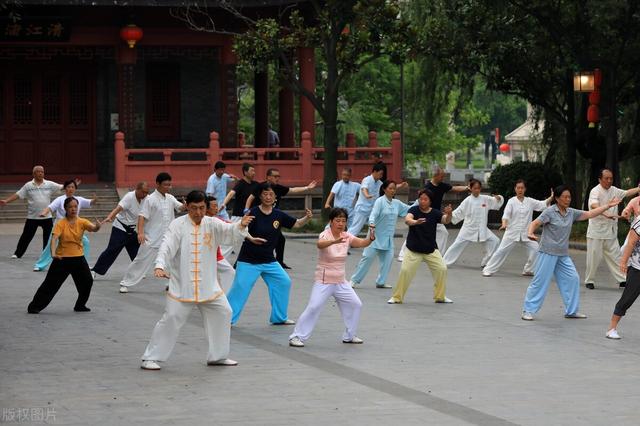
(590, 286)
(285, 266)
(81, 309)
(32, 311)
(623, 284)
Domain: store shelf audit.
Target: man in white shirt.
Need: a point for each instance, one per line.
(156, 213)
(602, 232)
(187, 258)
(38, 195)
(123, 231)
(515, 220)
(217, 185)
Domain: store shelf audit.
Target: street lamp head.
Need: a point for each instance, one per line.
(583, 81)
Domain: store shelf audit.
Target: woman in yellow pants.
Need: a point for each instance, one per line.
(422, 247)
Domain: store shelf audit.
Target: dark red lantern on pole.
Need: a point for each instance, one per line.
(594, 97)
(131, 34)
(504, 148)
(593, 115)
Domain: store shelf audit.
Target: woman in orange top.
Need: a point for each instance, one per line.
(68, 258)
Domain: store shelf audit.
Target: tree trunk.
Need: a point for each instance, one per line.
(330, 125)
(611, 125)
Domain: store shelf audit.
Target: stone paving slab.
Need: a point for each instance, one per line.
(472, 362)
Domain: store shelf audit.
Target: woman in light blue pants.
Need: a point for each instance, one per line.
(382, 220)
(553, 254)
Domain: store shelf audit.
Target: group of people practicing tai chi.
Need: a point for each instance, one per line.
(187, 250)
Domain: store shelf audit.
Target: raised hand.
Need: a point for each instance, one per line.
(141, 238)
(614, 202)
(312, 184)
(448, 209)
(308, 213)
(246, 220)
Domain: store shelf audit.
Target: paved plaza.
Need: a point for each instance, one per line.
(472, 362)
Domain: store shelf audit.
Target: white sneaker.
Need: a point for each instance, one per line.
(486, 274)
(527, 316)
(13, 256)
(36, 269)
(445, 300)
(296, 342)
(124, 289)
(93, 274)
(613, 334)
(285, 322)
(393, 301)
(149, 365)
(399, 259)
(353, 284)
(354, 340)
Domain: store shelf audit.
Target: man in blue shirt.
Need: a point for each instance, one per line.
(217, 186)
(369, 192)
(343, 194)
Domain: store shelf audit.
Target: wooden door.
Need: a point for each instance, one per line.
(48, 118)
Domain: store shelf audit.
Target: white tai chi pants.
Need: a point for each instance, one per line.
(609, 250)
(442, 237)
(348, 302)
(143, 263)
(226, 274)
(500, 255)
(456, 249)
(216, 316)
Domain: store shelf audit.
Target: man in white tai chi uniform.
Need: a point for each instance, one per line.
(188, 258)
(156, 213)
(602, 232)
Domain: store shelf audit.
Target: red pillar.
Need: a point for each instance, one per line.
(307, 61)
(261, 86)
(285, 113)
(228, 99)
(126, 61)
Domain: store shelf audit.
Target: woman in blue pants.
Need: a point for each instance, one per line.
(256, 258)
(553, 254)
(382, 220)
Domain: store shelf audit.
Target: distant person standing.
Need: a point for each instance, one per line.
(602, 232)
(273, 179)
(123, 231)
(38, 193)
(66, 250)
(438, 188)
(226, 273)
(343, 194)
(156, 213)
(218, 184)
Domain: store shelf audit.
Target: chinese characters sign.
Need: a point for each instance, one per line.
(35, 29)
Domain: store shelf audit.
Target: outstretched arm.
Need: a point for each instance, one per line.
(297, 189)
(303, 220)
(11, 199)
(599, 210)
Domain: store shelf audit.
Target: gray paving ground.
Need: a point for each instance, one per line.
(473, 362)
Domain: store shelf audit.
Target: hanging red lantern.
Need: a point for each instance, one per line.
(593, 114)
(505, 148)
(597, 77)
(131, 34)
(594, 97)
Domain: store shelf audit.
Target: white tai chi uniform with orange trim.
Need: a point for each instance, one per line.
(188, 254)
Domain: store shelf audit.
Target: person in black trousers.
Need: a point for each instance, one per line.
(68, 258)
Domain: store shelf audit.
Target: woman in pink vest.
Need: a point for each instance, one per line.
(330, 280)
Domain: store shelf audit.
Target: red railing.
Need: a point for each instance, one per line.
(298, 166)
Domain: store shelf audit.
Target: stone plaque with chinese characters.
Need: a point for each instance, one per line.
(32, 28)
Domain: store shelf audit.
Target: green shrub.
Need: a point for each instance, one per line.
(539, 179)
